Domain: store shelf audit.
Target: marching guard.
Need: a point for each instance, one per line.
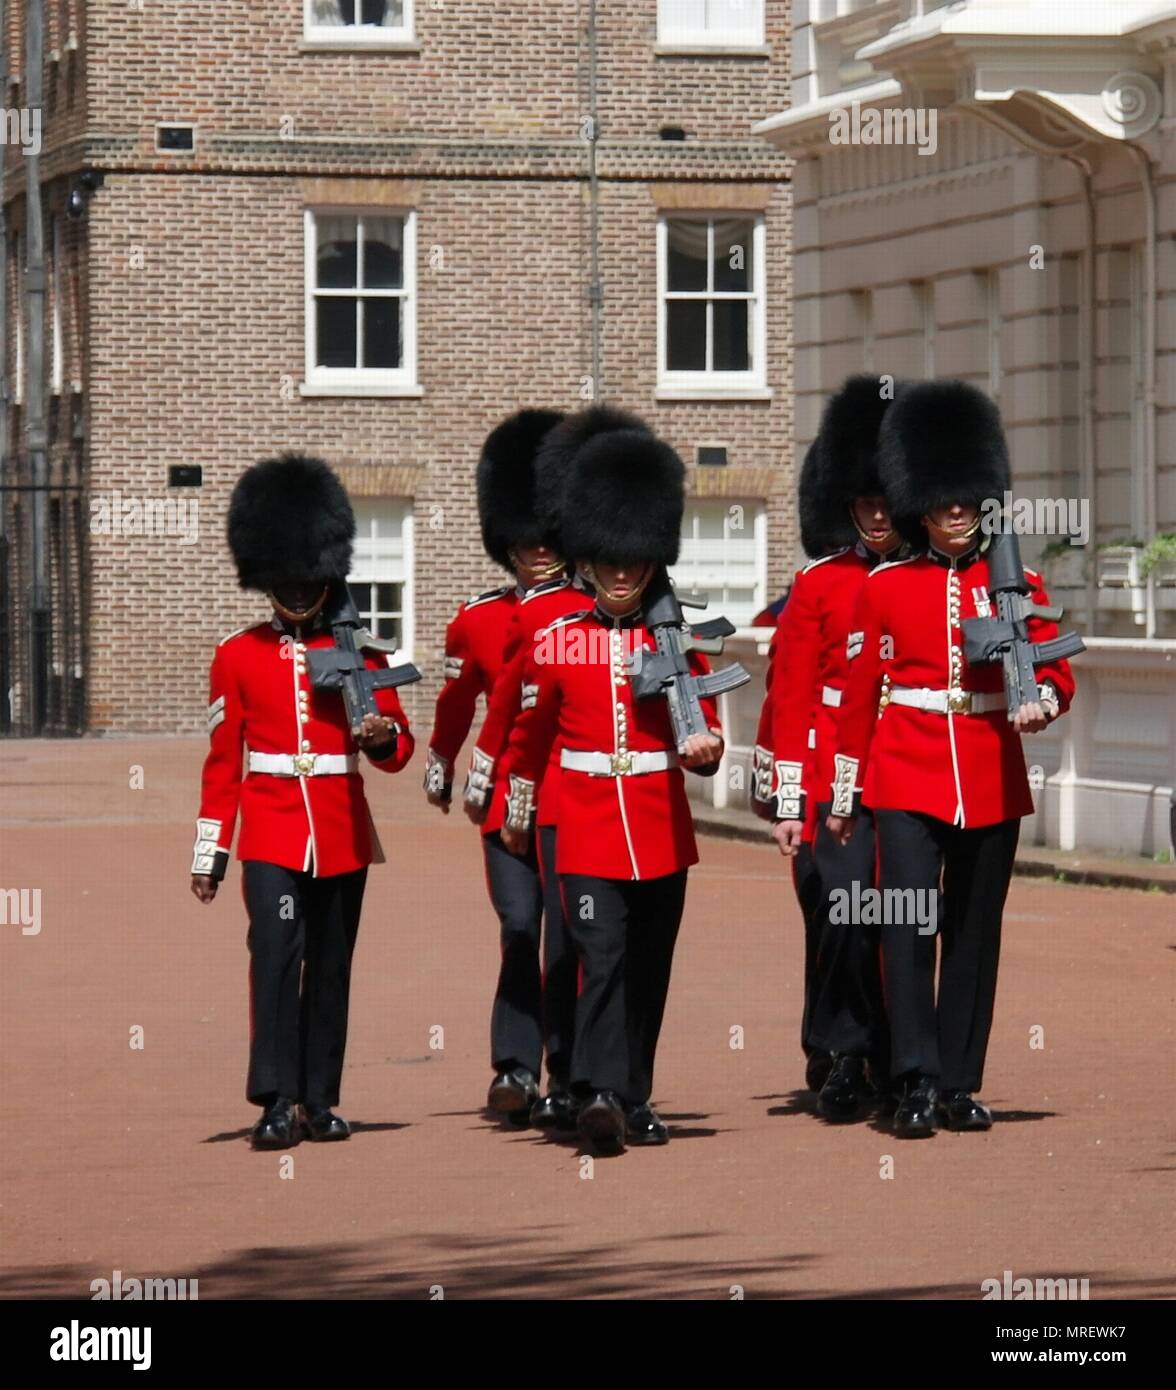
(846, 527)
(942, 765)
(624, 834)
(535, 1000)
(284, 755)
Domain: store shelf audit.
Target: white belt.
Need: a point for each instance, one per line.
(617, 764)
(829, 696)
(946, 701)
(303, 764)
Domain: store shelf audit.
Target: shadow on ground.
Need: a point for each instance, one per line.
(524, 1267)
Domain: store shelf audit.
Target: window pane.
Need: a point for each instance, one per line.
(733, 19)
(378, 12)
(381, 333)
(361, 596)
(335, 257)
(733, 254)
(326, 12)
(390, 630)
(383, 260)
(710, 522)
(388, 597)
(732, 353)
(686, 265)
(335, 345)
(686, 335)
(678, 17)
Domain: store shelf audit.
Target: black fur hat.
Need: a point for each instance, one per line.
(941, 442)
(624, 491)
(841, 464)
(290, 521)
(506, 484)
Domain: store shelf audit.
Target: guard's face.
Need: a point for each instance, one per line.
(872, 518)
(619, 586)
(299, 601)
(534, 563)
(953, 528)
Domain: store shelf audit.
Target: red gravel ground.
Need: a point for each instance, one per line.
(137, 1160)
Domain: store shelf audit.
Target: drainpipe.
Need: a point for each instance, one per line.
(1068, 768)
(1150, 500)
(36, 441)
(595, 288)
(6, 603)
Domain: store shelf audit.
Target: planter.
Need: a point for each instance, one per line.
(1120, 567)
(1066, 569)
(1163, 575)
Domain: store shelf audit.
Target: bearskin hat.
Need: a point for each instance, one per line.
(941, 442)
(841, 464)
(506, 484)
(623, 493)
(290, 521)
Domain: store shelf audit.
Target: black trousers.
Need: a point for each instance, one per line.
(302, 934)
(807, 883)
(534, 1006)
(945, 1038)
(624, 934)
(844, 1010)
(561, 969)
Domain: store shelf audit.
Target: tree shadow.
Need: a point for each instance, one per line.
(529, 1265)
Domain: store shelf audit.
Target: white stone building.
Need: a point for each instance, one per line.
(1017, 227)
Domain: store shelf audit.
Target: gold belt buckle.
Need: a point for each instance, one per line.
(304, 763)
(620, 763)
(959, 701)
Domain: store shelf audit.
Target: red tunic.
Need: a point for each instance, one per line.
(813, 670)
(627, 826)
(537, 609)
(261, 700)
(474, 643)
(965, 769)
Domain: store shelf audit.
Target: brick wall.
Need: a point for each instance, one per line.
(195, 295)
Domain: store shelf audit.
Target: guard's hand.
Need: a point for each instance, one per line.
(476, 811)
(376, 734)
(701, 750)
(1030, 718)
(204, 886)
(515, 840)
(438, 799)
(787, 834)
(841, 828)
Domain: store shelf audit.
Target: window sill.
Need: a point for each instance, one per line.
(713, 393)
(360, 389)
(359, 46)
(711, 50)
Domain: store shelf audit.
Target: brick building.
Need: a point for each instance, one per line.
(368, 229)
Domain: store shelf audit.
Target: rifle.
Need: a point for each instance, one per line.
(342, 667)
(667, 671)
(1005, 638)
